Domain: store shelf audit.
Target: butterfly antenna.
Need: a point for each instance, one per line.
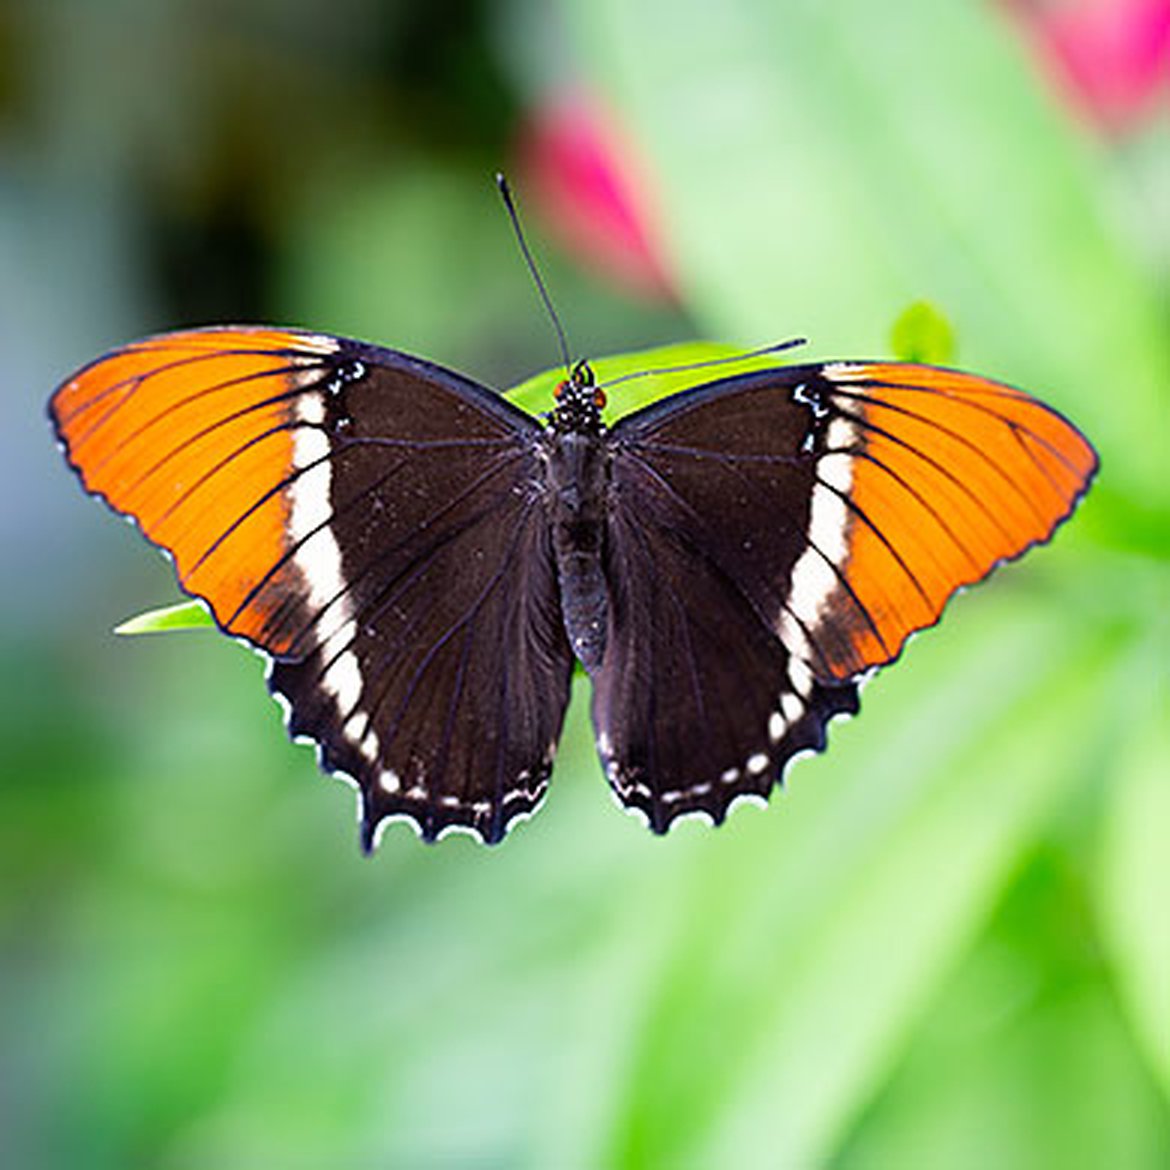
(777, 347)
(514, 216)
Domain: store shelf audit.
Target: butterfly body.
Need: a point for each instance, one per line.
(577, 464)
(423, 563)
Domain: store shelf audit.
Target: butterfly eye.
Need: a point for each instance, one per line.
(599, 399)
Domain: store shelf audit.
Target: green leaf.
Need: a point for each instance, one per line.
(651, 373)
(922, 334)
(183, 615)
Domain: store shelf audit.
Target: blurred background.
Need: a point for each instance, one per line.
(947, 943)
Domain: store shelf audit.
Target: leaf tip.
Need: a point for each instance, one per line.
(922, 333)
(184, 615)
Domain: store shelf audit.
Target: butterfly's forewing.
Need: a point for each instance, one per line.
(942, 475)
(776, 535)
(366, 519)
(195, 435)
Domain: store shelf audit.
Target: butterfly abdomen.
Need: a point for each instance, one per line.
(577, 486)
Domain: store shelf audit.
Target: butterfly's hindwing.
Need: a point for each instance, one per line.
(697, 702)
(443, 688)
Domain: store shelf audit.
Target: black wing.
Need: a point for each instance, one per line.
(439, 670)
(774, 536)
(370, 521)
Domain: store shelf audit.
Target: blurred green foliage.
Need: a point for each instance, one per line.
(946, 944)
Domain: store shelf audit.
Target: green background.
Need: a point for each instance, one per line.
(946, 944)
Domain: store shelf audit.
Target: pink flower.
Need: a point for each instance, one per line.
(583, 178)
(1111, 58)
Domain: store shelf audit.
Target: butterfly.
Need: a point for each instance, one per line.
(423, 563)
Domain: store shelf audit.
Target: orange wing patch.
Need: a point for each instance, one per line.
(952, 474)
(193, 435)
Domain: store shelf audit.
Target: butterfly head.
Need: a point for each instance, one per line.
(579, 402)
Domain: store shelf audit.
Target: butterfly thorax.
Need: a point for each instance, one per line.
(577, 469)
